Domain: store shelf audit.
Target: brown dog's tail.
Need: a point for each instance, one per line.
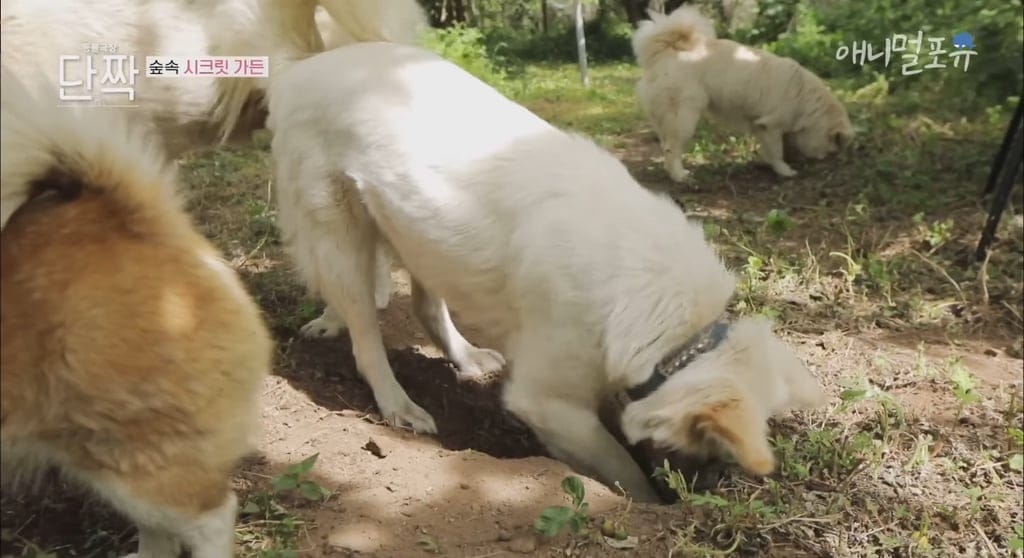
(69, 150)
(682, 30)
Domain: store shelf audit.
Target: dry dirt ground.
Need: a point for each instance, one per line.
(899, 465)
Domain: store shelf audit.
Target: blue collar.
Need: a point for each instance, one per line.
(704, 341)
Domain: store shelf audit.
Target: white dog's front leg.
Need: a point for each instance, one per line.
(470, 361)
(574, 435)
(771, 149)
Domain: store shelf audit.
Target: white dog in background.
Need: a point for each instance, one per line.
(537, 236)
(688, 72)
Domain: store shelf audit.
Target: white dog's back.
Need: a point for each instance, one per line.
(481, 179)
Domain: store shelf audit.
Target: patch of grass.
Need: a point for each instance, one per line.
(606, 111)
(553, 520)
(576, 518)
(268, 528)
(733, 517)
(965, 386)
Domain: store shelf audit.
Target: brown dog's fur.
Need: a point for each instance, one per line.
(132, 356)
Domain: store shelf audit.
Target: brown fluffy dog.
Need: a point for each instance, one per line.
(132, 356)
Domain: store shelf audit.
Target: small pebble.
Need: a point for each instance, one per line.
(504, 536)
(523, 545)
(970, 420)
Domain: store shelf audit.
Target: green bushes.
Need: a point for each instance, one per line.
(608, 40)
(809, 31)
(465, 46)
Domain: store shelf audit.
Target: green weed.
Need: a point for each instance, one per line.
(553, 520)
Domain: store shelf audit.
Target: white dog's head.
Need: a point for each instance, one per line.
(723, 399)
(825, 129)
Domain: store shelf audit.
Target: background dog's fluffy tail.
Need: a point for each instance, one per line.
(46, 147)
(681, 30)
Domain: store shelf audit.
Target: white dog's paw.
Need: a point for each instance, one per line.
(677, 173)
(477, 362)
(382, 288)
(402, 412)
(782, 169)
(327, 325)
(382, 296)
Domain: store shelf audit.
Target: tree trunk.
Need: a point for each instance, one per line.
(459, 11)
(544, 16)
(671, 5)
(634, 11)
(446, 13)
(581, 44)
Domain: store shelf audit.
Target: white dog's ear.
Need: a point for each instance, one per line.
(777, 360)
(686, 417)
(805, 392)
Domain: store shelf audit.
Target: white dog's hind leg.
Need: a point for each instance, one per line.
(470, 361)
(352, 294)
(771, 149)
(382, 277)
(330, 324)
(336, 253)
(345, 255)
(677, 133)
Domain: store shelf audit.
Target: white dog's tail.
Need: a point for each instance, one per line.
(304, 28)
(357, 21)
(69, 151)
(683, 29)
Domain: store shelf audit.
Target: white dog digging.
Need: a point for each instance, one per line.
(688, 72)
(535, 235)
